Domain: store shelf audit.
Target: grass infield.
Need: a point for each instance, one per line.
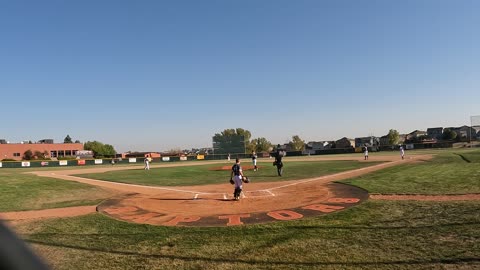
(203, 175)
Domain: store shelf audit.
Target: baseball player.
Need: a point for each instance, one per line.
(147, 163)
(236, 177)
(402, 152)
(254, 161)
(365, 151)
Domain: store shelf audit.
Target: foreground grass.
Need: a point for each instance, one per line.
(452, 172)
(375, 235)
(204, 175)
(30, 192)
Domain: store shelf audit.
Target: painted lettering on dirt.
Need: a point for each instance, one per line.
(284, 215)
(181, 219)
(234, 219)
(279, 215)
(134, 214)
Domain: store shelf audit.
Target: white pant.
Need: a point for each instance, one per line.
(238, 181)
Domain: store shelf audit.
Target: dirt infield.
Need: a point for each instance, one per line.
(212, 205)
(49, 213)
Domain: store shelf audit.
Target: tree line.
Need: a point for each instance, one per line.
(259, 144)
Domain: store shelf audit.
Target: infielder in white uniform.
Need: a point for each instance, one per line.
(402, 152)
(366, 153)
(147, 163)
(254, 161)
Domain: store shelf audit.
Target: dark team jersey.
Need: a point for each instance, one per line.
(236, 169)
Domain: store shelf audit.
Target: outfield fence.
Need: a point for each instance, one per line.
(164, 159)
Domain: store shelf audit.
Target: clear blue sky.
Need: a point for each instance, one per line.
(156, 75)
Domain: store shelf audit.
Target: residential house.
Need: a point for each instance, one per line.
(371, 142)
(384, 141)
(415, 135)
(345, 143)
(311, 147)
(435, 133)
(465, 133)
(477, 129)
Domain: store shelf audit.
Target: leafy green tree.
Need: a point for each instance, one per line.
(246, 135)
(449, 134)
(99, 149)
(393, 136)
(77, 141)
(297, 144)
(261, 145)
(38, 154)
(232, 141)
(67, 139)
(28, 155)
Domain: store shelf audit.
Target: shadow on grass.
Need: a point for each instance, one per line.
(263, 262)
(294, 229)
(464, 158)
(373, 227)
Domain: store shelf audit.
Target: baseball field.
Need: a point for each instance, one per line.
(325, 212)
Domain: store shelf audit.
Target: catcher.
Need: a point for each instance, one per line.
(237, 178)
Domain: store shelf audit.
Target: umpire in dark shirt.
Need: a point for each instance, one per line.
(278, 160)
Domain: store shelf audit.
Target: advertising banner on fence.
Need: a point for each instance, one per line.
(132, 160)
(166, 158)
(26, 164)
(98, 161)
(409, 146)
(0, 164)
(81, 162)
(183, 158)
(200, 157)
(44, 163)
(63, 163)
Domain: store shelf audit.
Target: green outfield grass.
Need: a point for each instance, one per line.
(452, 172)
(29, 192)
(374, 235)
(203, 175)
